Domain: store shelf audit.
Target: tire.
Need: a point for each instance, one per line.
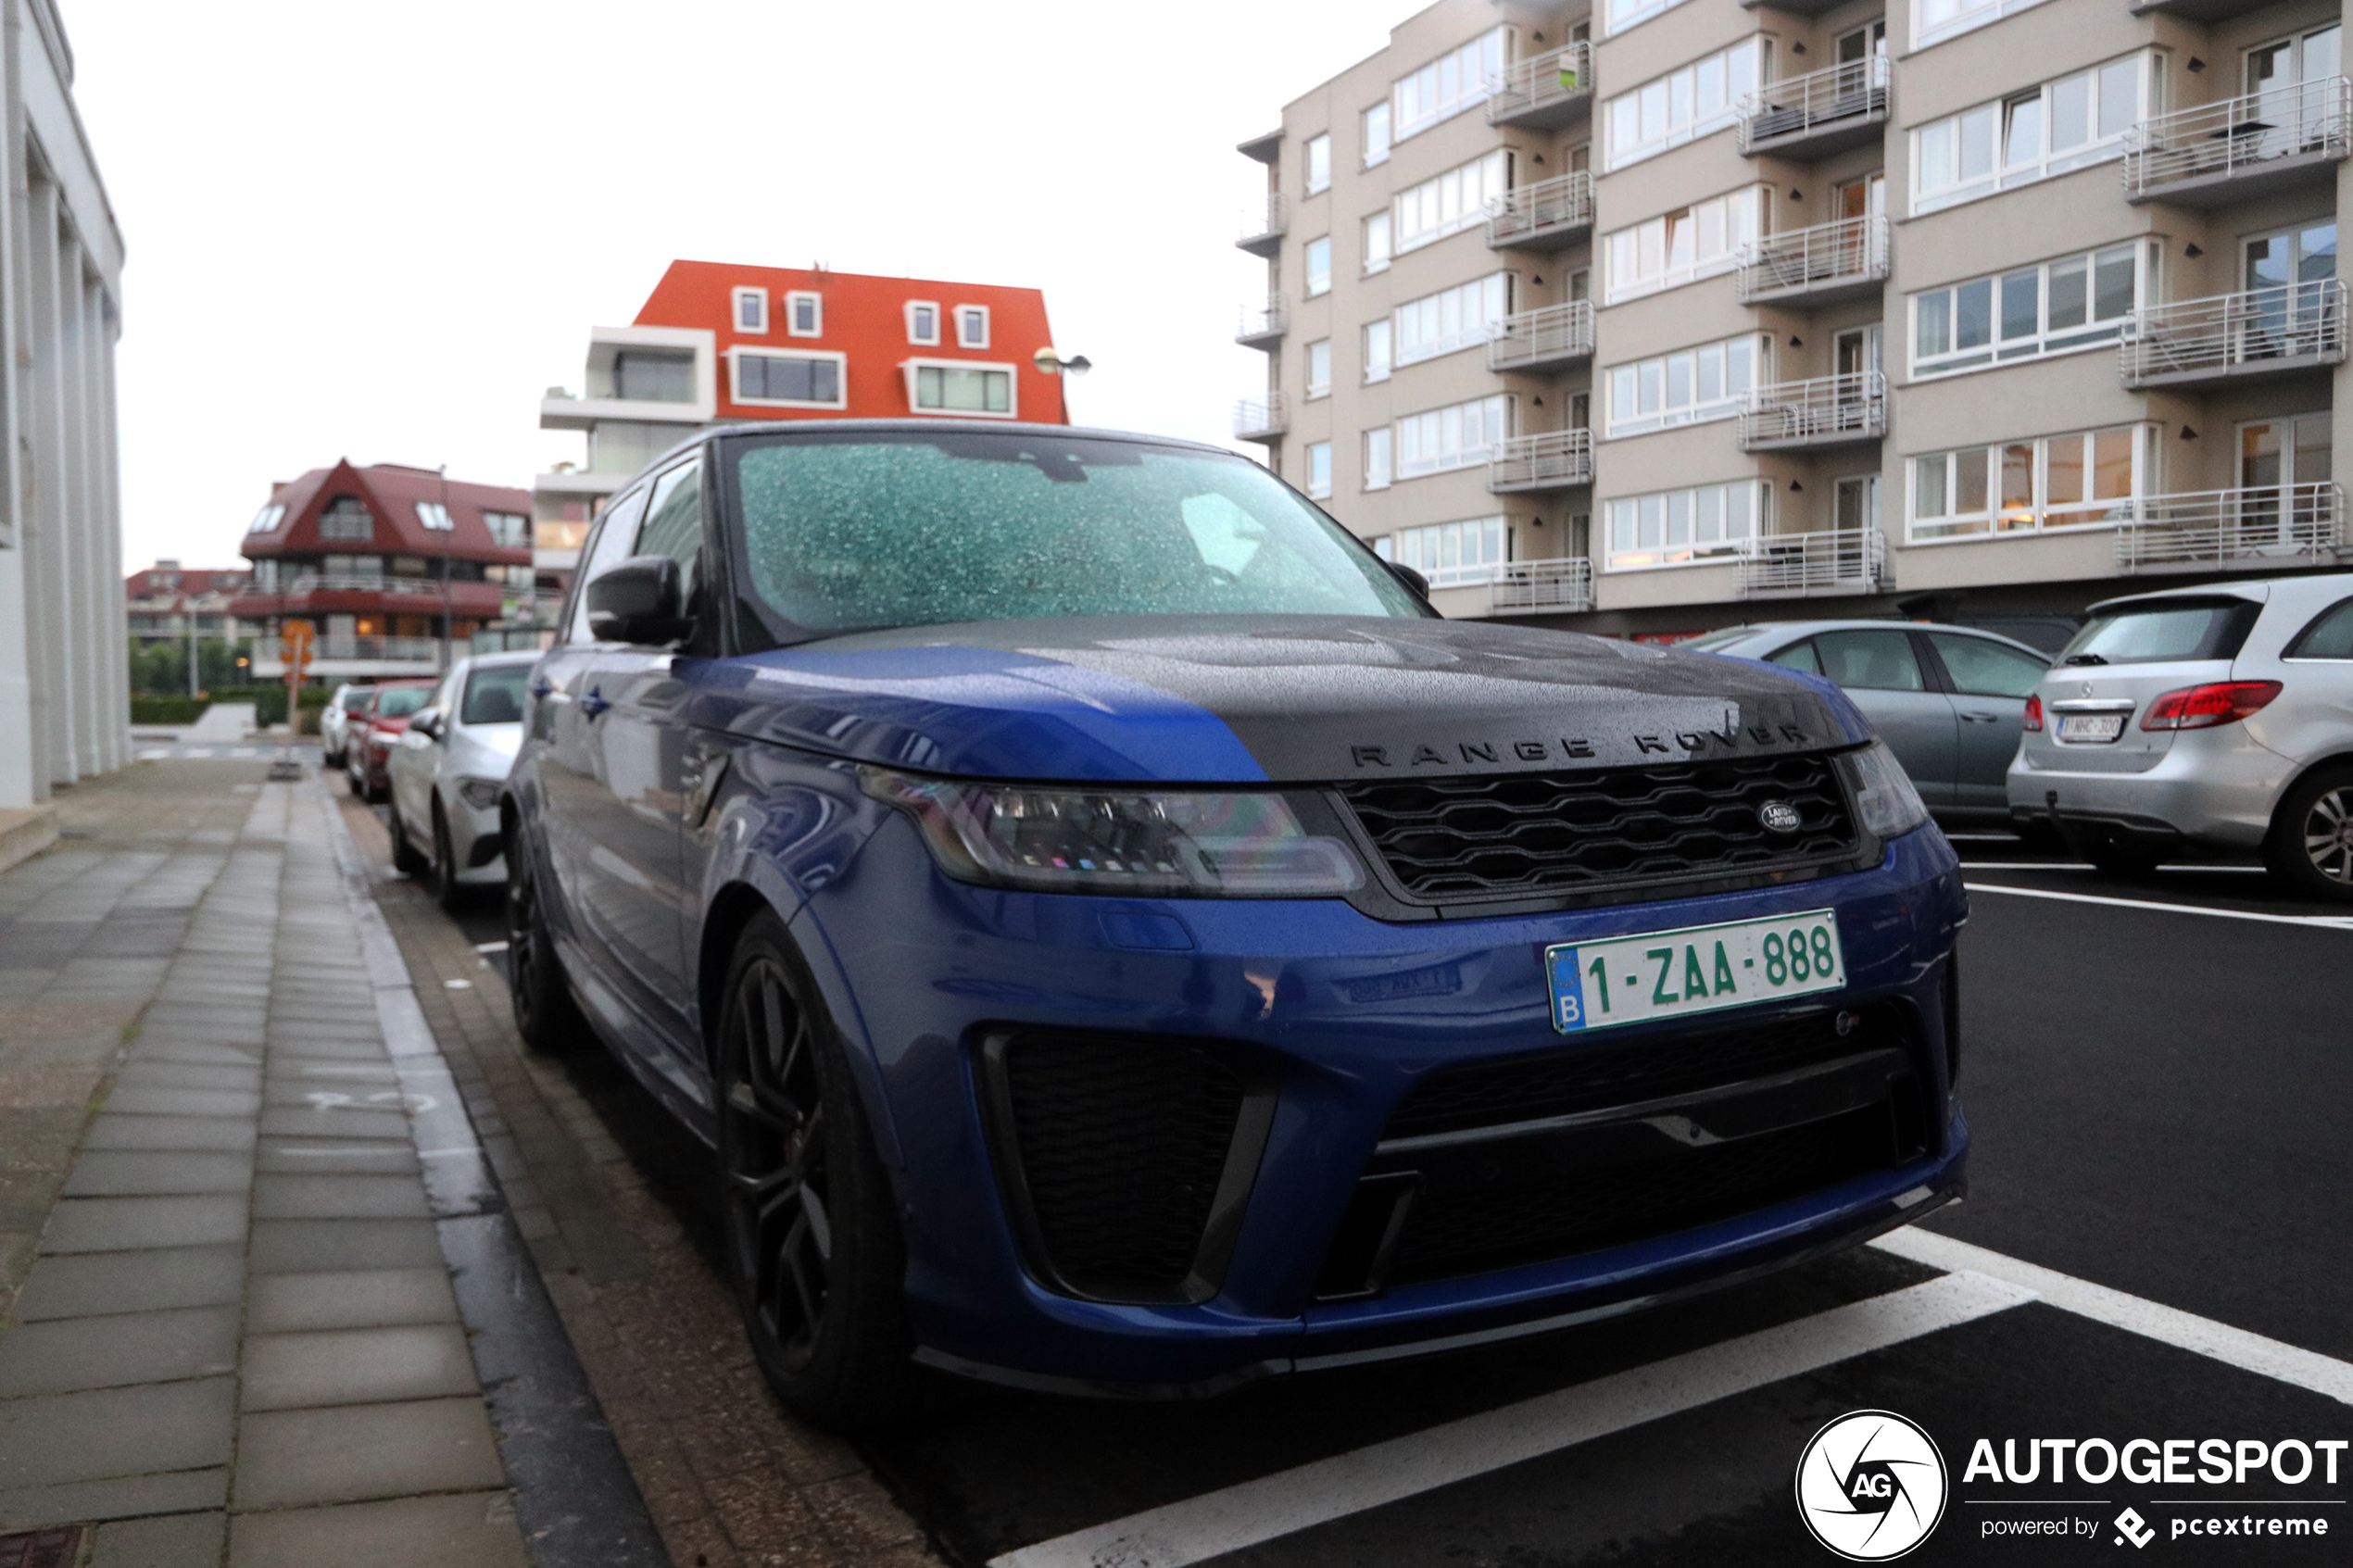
(404, 858)
(2311, 847)
(546, 1015)
(448, 891)
(813, 1236)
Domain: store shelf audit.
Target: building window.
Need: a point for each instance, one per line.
(1456, 81)
(1452, 319)
(922, 323)
(347, 518)
(1319, 470)
(2063, 125)
(1683, 527)
(811, 379)
(1935, 20)
(1375, 135)
(1319, 165)
(1378, 362)
(1377, 256)
(982, 391)
(2025, 486)
(653, 376)
(805, 313)
(751, 310)
(1319, 368)
(1457, 437)
(434, 516)
(1690, 387)
(267, 519)
(1700, 241)
(972, 326)
(1453, 202)
(2056, 308)
(1454, 554)
(1698, 100)
(1319, 266)
(509, 529)
(1624, 14)
(1378, 471)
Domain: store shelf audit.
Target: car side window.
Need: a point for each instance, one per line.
(1871, 662)
(615, 536)
(2328, 636)
(1799, 655)
(674, 524)
(1982, 668)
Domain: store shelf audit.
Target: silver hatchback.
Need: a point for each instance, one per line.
(2219, 717)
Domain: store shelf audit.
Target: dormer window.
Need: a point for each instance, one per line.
(434, 516)
(751, 310)
(922, 323)
(347, 518)
(972, 326)
(805, 313)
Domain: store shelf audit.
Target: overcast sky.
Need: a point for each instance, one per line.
(383, 232)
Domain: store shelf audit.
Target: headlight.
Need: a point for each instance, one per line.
(1177, 844)
(480, 794)
(1883, 794)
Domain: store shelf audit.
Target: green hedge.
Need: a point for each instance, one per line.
(269, 706)
(166, 709)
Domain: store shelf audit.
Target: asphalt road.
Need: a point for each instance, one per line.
(2158, 1085)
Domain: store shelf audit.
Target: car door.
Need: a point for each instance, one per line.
(1882, 673)
(416, 759)
(1990, 681)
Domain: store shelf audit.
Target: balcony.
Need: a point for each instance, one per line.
(1550, 215)
(333, 657)
(1797, 8)
(2204, 11)
(1560, 459)
(1542, 587)
(2242, 148)
(1826, 412)
(1265, 147)
(1549, 339)
(1262, 233)
(319, 594)
(1819, 113)
(1544, 93)
(1844, 560)
(1262, 329)
(2235, 336)
(1823, 265)
(2267, 526)
(1261, 418)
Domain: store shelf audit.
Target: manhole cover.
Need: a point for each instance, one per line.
(57, 1548)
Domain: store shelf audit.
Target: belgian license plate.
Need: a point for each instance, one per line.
(2091, 726)
(1699, 969)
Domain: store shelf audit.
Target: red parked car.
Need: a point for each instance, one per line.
(372, 729)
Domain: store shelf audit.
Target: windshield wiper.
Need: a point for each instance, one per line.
(2083, 658)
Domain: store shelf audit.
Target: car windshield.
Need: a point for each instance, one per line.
(1708, 642)
(495, 696)
(2159, 631)
(851, 531)
(401, 701)
(354, 701)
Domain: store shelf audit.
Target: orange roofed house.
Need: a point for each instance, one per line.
(717, 344)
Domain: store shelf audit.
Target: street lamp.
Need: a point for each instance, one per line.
(1051, 363)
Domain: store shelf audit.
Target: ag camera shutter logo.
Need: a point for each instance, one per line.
(1870, 1486)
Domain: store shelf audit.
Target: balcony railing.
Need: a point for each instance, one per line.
(1261, 418)
(1542, 587)
(1826, 412)
(1555, 460)
(2231, 336)
(1538, 340)
(354, 582)
(2266, 525)
(1842, 560)
(1262, 232)
(1551, 89)
(2238, 148)
(1819, 111)
(1549, 215)
(1264, 328)
(1826, 261)
(382, 650)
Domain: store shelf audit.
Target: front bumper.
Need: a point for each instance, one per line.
(1341, 1015)
(475, 842)
(2214, 787)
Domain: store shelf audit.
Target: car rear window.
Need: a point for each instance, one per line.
(495, 696)
(354, 701)
(2163, 631)
(402, 701)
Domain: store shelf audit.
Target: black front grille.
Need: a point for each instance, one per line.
(1119, 1143)
(1523, 835)
(1580, 1077)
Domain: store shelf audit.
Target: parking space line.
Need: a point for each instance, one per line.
(1290, 1501)
(2079, 866)
(2328, 923)
(2169, 1325)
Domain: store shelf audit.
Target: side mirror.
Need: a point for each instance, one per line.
(1411, 579)
(429, 723)
(636, 602)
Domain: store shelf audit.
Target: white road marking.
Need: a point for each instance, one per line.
(2072, 866)
(490, 947)
(2333, 922)
(1290, 1501)
(2169, 1325)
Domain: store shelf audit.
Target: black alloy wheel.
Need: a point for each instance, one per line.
(546, 1016)
(812, 1239)
(448, 891)
(2310, 848)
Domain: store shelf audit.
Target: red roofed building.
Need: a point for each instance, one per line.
(384, 562)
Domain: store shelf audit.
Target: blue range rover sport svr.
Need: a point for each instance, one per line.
(1119, 938)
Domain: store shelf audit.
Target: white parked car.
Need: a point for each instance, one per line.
(2219, 717)
(334, 722)
(446, 769)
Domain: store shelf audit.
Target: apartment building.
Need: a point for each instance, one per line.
(1651, 316)
(169, 603)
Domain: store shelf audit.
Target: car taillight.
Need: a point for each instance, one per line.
(2202, 708)
(2033, 713)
